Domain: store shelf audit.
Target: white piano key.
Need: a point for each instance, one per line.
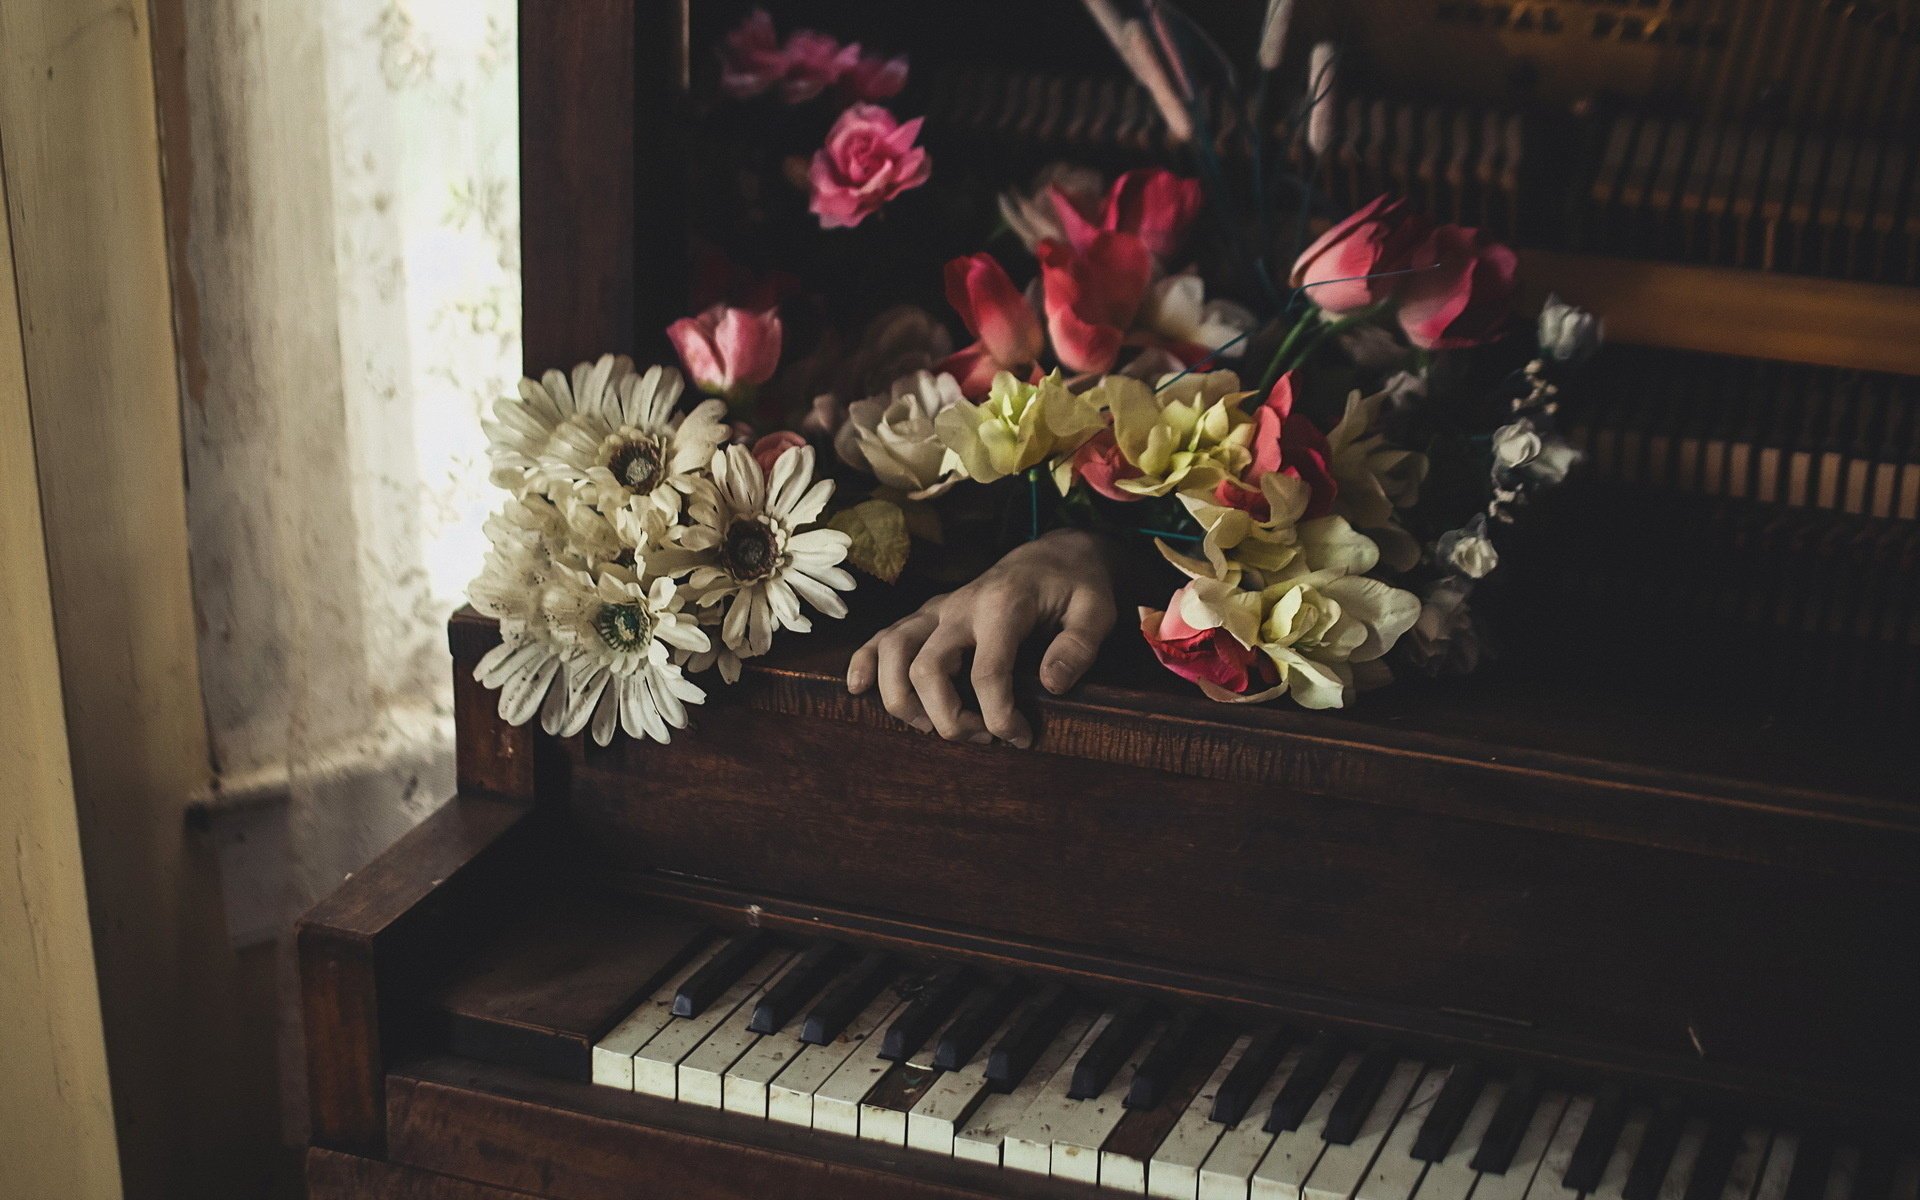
(656, 1064)
(986, 1132)
(1613, 1180)
(746, 1086)
(1174, 1171)
(878, 1124)
(790, 1095)
(1029, 1143)
(702, 1073)
(951, 1101)
(1453, 1177)
(836, 1104)
(1283, 1162)
(1341, 1169)
(1395, 1171)
(613, 1054)
(1547, 1182)
(1512, 1183)
(1779, 1169)
(1077, 1139)
(1686, 1152)
(1840, 1176)
(1743, 1175)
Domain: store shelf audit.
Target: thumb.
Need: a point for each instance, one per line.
(1088, 620)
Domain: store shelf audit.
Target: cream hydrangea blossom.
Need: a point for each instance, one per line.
(893, 436)
(623, 444)
(749, 553)
(1021, 425)
(1376, 480)
(1317, 629)
(1241, 549)
(622, 640)
(1187, 437)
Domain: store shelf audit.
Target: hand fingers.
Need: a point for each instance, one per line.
(1088, 620)
(996, 640)
(895, 651)
(861, 670)
(932, 674)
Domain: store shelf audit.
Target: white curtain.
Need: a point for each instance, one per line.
(344, 187)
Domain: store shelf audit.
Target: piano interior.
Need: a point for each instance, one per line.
(1629, 917)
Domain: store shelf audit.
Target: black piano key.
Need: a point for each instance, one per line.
(721, 972)
(1874, 1179)
(1509, 1124)
(1715, 1162)
(1157, 1070)
(929, 1010)
(1317, 1064)
(975, 1023)
(1656, 1152)
(1597, 1140)
(781, 1004)
(1097, 1066)
(1250, 1074)
(1811, 1163)
(1359, 1096)
(1032, 1032)
(1449, 1112)
(843, 1001)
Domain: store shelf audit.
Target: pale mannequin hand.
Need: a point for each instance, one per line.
(1060, 581)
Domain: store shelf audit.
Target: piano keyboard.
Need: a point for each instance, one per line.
(1140, 1100)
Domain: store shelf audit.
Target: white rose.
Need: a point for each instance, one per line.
(1474, 557)
(1515, 445)
(892, 436)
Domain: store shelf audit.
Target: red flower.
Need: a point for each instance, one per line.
(1007, 332)
(815, 62)
(1376, 241)
(751, 60)
(1197, 654)
(1101, 464)
(875, 77)
(729, 351)
(767, 450)
(869, 159)
(1092, 296)
(1467, 298)
(1154, 205)
(1284, 440)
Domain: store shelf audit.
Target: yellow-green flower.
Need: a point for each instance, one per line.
(1187, 437)
(1020, 426)
(1239, 548)
(1376, 480)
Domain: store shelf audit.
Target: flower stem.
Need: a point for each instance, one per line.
(1321, 330)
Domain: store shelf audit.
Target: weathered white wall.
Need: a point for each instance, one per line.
(342, 180)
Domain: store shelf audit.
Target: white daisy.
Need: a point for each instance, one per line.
(631, 449)
(522, 427)
(619, 637)
(752, 560)
(523, 538)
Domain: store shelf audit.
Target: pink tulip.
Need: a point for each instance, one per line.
(1284, 440)
(1364, 259)
(869, 159)
(1156, 206)
(729, 352)
(1006, 330)
(1464, 300)
(1197, 654)
(1093, 296)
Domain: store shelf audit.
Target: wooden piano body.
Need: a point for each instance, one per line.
(1698, 891)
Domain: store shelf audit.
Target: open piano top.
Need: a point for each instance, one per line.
(1634, 911)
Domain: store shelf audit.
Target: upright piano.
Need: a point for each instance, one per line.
(1630, 915)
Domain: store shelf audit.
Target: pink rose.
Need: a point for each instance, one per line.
(875, 77)
(1154, 205)
(1007, 331)
(1464, 300)
(1092, 296)
(869, 159)
(1101, 464)
(1197, 654)
(1353, 264)
(729, 352)
(1284, 440)
(751, 60)
(815, 62)
(768, 449)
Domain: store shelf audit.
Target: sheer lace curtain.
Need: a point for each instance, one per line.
(342, 179)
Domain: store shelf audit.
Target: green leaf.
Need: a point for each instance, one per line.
(879, 532)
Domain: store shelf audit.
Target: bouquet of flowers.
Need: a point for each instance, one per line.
(1328, 466)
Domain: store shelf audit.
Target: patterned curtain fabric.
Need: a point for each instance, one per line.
(342, 176)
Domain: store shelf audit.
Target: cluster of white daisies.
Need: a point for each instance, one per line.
(639, 546)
